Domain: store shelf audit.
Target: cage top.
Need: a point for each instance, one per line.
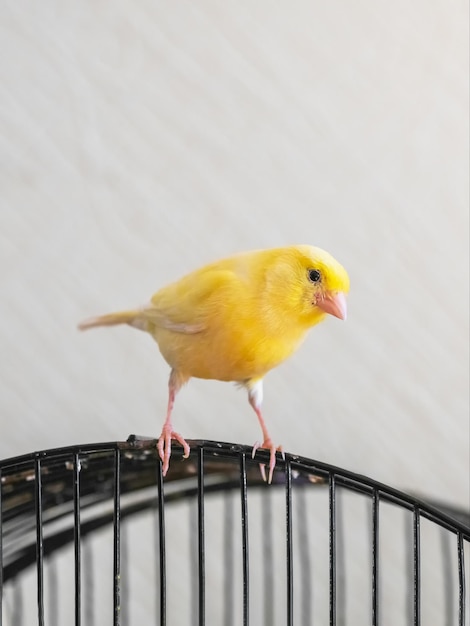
(221, 471)
(52, 489)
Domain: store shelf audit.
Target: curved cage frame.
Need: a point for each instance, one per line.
(48, 501)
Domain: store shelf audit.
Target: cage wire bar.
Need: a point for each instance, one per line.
(53, 499)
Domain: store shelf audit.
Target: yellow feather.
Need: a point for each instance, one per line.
(252, 311)
(237, 318)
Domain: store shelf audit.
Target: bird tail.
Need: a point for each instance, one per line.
(133, 318)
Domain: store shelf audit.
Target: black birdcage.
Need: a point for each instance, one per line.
(93, 535)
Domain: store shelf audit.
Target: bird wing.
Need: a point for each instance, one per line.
(187, 305)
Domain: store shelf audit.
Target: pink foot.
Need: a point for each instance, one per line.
(164, 445)
(268, 445)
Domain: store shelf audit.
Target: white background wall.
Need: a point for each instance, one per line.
(142, 139)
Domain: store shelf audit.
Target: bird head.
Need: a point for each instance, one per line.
(327, 282)
(312, 283)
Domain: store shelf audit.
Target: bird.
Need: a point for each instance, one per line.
(236, 319)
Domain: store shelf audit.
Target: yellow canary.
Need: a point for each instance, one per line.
(236, 319)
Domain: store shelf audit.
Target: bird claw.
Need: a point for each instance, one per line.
(268, 445)
(164, 446)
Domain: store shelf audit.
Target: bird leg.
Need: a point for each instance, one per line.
(164, 441)
(255, 397)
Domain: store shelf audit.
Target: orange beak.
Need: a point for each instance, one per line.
(334, 304)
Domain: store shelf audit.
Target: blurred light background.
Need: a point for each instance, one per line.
(142, 139)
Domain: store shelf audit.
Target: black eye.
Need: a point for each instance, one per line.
(314, 275)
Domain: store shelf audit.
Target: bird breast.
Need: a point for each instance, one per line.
(233, 352)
